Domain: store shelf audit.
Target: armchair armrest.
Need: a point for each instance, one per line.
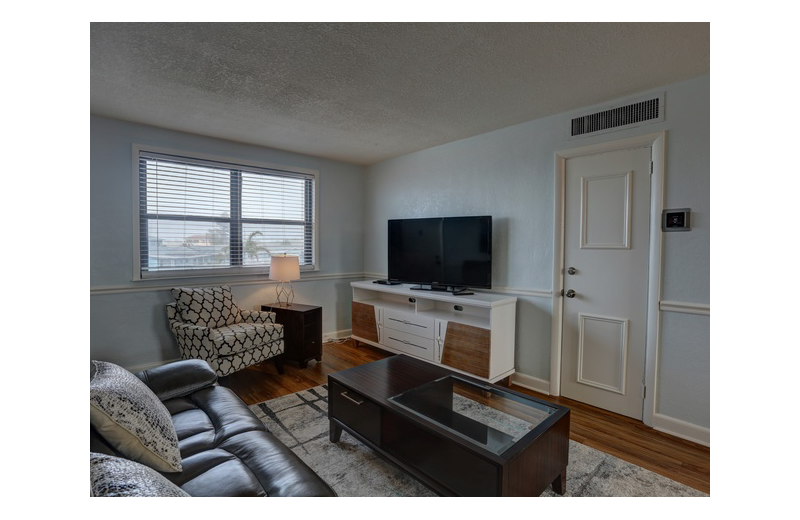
(257, 316)
(178, 378)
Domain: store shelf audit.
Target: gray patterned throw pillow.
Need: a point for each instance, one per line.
(206, 306)
(129, 416)
(117, 477)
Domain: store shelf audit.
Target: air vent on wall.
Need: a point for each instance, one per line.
(642, 112)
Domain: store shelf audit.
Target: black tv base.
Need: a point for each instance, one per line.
(455, 291)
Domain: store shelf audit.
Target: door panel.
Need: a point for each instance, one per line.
(602, 352)
(605, 216)
(606, 241)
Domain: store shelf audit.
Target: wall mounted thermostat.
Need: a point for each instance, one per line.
(676, 219)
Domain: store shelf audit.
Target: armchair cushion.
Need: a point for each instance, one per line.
(129, 416)
(206, 306)
(244, 336)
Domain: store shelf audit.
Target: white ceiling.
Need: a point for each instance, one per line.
(365, 92)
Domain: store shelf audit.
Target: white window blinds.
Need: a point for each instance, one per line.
(197, 215)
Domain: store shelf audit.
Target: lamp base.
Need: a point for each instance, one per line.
(284, 296)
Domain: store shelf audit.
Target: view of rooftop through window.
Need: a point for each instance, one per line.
(197, 215)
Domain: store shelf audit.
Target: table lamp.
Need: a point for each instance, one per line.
(284, 268)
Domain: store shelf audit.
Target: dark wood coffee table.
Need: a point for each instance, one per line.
(458, 435)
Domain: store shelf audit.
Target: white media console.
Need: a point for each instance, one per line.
(472, 334)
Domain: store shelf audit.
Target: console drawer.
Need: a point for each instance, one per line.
(356, 411)
(410, 323)
(409, 343)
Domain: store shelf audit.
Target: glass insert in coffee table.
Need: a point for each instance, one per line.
(485, 415)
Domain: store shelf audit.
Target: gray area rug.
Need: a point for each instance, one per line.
(353, 470)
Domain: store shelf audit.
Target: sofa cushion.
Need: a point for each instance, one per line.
(209, 417)
(117, 477)
(218, 473)
(227, 451)
(129, 416)
(206, 306)
(178, 379)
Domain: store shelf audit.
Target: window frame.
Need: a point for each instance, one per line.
(139, 275)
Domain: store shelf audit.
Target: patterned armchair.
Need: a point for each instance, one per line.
(209, 325)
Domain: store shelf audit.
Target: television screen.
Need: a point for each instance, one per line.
(450, 251)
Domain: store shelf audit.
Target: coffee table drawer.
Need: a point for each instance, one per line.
(355, 411)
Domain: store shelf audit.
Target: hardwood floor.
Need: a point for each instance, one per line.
(628, 439)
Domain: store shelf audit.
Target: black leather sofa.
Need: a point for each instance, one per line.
(224, 447)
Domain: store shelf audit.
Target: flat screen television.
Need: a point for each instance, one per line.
(446, 253)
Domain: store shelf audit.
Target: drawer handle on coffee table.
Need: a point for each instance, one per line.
(344, 394)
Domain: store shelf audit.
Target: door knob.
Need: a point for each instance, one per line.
(572, 270)
(570, 294)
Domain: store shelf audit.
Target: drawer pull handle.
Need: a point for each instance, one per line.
(406, 322)
(405, 342)
(344, 394)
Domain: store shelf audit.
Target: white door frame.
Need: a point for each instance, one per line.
(658, 143)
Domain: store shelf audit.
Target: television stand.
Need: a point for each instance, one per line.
(455, 291)
(473, 334)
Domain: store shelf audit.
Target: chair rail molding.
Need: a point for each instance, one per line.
(700, 309)
(119, 289)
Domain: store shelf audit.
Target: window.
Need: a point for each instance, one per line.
(199, 217)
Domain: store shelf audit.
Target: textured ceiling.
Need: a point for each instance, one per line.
(365, 92)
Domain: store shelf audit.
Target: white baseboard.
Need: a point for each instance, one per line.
(663, 423)
(682, 429)
(531, 383)
(337, 335)
(329, 336)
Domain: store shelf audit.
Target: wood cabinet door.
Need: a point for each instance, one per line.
(467, 348)
(364, 324)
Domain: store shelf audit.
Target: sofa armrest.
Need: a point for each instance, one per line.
(179, 378)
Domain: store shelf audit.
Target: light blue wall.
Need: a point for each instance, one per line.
(510, 174)
(128, 321)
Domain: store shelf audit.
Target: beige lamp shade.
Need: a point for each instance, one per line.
(284, 268)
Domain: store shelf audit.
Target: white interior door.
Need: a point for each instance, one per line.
(606, 256)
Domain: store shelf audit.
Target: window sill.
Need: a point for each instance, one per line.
(211, 273)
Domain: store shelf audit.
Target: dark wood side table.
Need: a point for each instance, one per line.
(302, 331)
